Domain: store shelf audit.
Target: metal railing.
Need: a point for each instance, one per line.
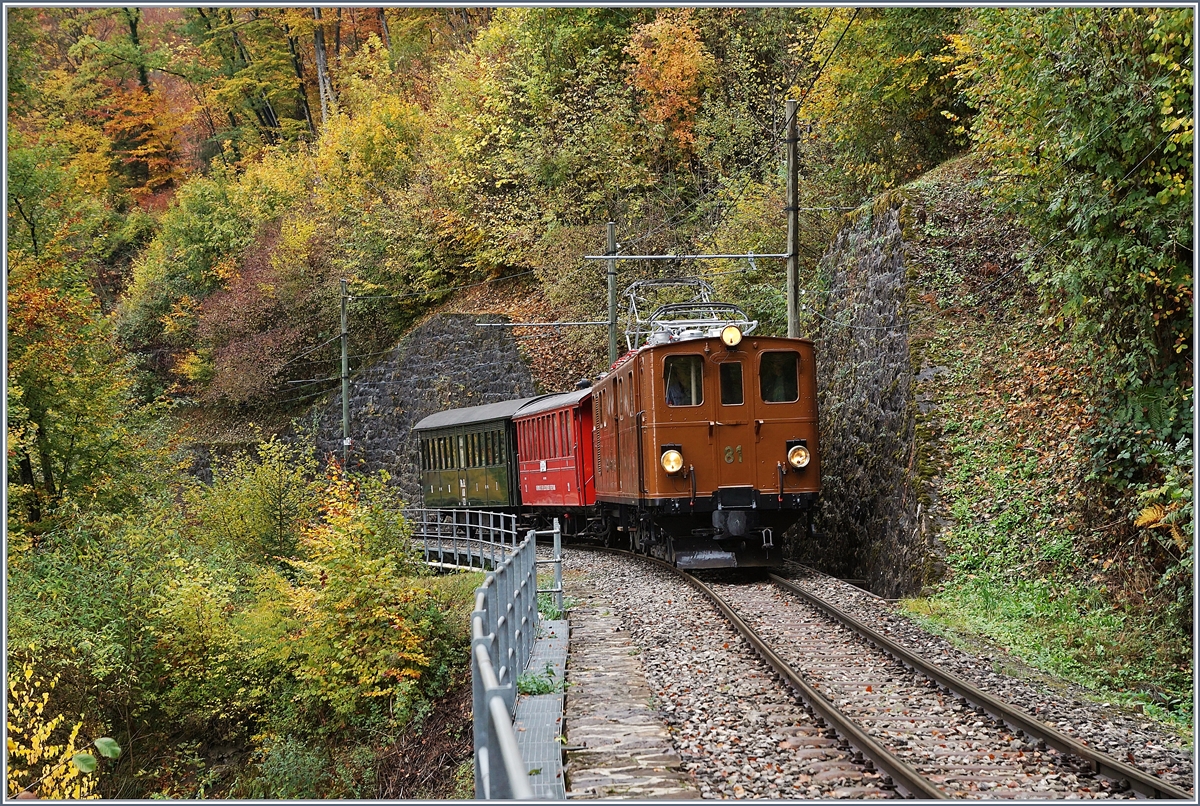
(503, 628)
(556, 561)
(464, 538)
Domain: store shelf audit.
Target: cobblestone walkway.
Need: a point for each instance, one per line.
(616, 746)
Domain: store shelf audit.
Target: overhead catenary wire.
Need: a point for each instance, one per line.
(735, 201)
(411, 294)
(311, 350)
(308, 396)
(787, 122)
(408, 295)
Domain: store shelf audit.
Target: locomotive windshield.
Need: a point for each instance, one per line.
(777, 378)
(685, 380)
(731, 383)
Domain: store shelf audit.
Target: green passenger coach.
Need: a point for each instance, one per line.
(469, 456)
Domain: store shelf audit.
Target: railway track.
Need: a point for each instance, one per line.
(905, 723)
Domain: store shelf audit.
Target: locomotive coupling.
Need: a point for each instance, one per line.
(733, 522)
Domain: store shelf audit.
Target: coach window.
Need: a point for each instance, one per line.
(731, 383)
(685, 380)
(777, 378)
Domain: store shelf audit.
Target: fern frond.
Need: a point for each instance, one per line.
(1181, 542)
(1151, 516)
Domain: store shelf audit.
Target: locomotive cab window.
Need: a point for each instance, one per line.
(731, 384)
(778, 377)
(685, 380)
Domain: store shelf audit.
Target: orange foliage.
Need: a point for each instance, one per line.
(145, 135)
(670, 64)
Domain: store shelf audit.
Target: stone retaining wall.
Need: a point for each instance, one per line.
(869, 517)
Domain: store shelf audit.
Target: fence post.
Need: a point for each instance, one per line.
(558, 589)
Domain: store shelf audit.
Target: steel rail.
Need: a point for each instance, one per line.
(905, 778)
(1141, 782)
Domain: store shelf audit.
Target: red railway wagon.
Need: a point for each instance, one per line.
(554, 446)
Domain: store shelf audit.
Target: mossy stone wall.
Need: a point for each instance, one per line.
(870, 524)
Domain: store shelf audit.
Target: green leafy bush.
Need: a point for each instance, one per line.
(1087, 116)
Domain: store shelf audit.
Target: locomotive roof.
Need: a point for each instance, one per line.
(503, 410)
(555, 401)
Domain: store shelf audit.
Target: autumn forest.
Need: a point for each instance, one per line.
(187, 188)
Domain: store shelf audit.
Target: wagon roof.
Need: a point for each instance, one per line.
(503, 410)
(555, 401)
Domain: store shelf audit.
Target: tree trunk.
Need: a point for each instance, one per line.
(301, 89)
(132, 18)
(47, 466)
(33, 508)
(337, 34)
(383, 30)
(261, 106)
(323, 83)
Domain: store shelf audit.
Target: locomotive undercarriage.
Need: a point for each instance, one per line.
(717, 538)
(728, 538)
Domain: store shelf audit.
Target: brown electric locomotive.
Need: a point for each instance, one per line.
(706, 439)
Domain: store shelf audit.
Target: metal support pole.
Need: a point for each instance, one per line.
(612, 294)
(793, 219)
(558, 591)
(345, 377)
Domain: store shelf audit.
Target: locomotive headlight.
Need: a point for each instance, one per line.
(731, 336)
(798, 456)
(672, 461)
